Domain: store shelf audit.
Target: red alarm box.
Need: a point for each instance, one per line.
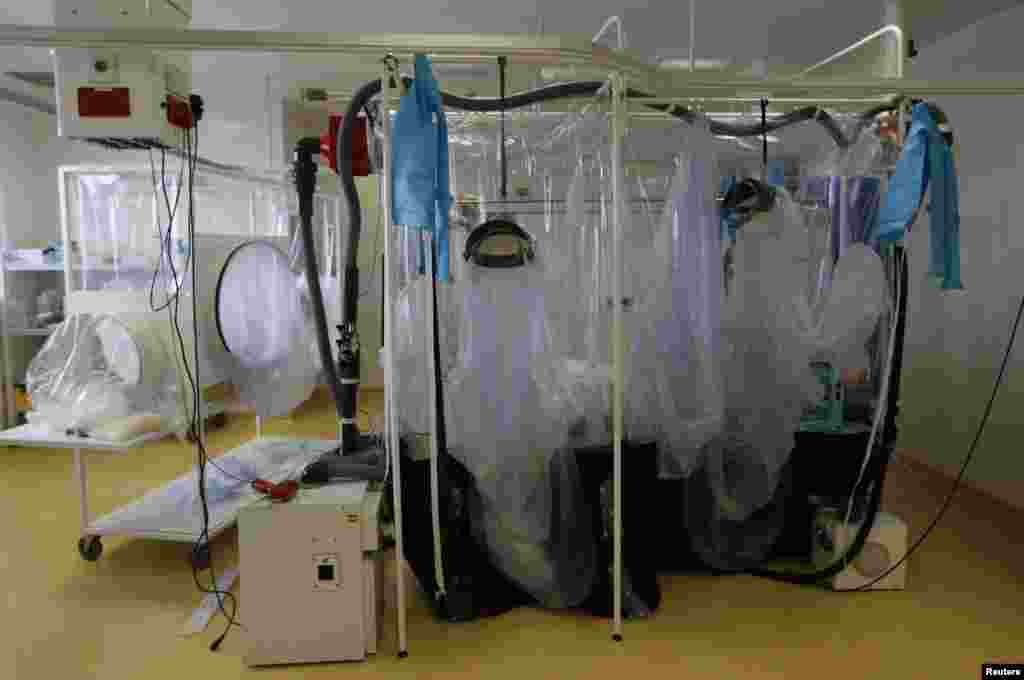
(360, 145)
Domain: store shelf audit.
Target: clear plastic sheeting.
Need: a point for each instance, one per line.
(266, 329)
(412, 316)
(511, 414)
(848, 185)
(766, 359)
(849, 311)
(770, 333)
(97, 369)
(868, 156)
(674, 392)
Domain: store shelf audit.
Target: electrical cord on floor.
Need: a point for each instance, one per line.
(967, 460)
(195, 424)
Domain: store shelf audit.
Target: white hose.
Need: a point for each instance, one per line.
(608, 24)
(883, 401)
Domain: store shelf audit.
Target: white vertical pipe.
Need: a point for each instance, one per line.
(65, 231)
(609, 22)
(252, 213)
(389, 366)
(894, 43)
(693, 36)
(432, 368)
(844, 214)
(619, 114)
(83, 490)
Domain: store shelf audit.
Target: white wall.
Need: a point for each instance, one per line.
(956, 340)
(19, 174)
(30, 154)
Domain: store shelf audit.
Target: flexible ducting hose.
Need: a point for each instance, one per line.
(305, 186)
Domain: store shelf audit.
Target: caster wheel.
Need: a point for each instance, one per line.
(200, 557)
(90, 548)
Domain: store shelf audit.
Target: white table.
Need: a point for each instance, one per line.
(167, 513)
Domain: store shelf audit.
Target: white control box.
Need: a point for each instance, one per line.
(124, 98)
(135, 96)
(311, 576)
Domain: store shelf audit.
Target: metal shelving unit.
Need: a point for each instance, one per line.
(20, 284)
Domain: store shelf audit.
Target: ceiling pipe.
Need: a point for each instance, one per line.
(693, 35)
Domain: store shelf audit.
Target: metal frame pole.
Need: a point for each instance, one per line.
(427, 300)
(619, 114)
(391, 427)
(81, 476)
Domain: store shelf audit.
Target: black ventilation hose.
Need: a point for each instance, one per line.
(305, 185)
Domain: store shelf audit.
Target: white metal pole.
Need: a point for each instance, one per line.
(83, 490)
(389, 365)
(619, 114)
(252, 213)
(693, 36)
(65, 232)
(844, 215)
(432, 368)
(895, 41)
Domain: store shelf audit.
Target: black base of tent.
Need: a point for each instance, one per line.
(821, 471)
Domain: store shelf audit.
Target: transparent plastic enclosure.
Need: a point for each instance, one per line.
(123, 223)
(95, 369)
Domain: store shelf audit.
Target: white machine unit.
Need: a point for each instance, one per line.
(311, 590)
(123, 98)
(885, 545)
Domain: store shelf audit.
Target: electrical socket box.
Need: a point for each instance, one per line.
(312, 581)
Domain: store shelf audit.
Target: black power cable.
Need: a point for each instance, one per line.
(166, 237)
(191, 155)
(764, 137)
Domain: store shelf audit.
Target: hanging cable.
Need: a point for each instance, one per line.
(504, 157)
(764, 139)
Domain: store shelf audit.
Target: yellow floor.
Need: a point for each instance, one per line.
(119, 617)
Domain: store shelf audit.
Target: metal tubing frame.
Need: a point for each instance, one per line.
(618, 133)
(890, 29)
(82, 478)
(389, 366)
(442, 47)
(477, 48)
